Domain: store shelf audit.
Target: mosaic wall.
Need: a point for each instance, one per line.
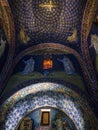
(53, 95)
(22, 85)
(59, 23)
(8, 27)
(87, 21)
(60, 62)
(48, 24)
(55, 115)
(64, 22)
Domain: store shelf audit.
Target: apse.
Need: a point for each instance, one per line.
(46, 118)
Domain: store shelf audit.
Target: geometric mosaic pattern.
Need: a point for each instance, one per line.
(43, 25)
(40, 99)
(47, 94)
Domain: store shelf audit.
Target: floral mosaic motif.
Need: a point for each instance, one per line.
(46, 94)
(40, 100)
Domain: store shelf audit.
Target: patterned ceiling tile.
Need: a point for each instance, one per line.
(46, 22)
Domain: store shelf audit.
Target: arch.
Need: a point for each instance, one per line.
(50, 95)
(48, 47)
(22, 85)
(10, 35)
(87, 20)
(52, 115)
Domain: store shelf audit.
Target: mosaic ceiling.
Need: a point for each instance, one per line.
(49, 20)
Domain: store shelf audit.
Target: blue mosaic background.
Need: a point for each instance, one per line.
(55, 27)
(36, 115)
(51, 95)
(40, 100)
(44, 26)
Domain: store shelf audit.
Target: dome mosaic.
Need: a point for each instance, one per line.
(48, 20)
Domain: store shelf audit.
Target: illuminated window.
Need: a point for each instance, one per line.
(47, 64)
(47, 61)
(45, 117)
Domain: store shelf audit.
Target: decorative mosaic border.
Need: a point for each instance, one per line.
(47, 94)
(10, 34)
(89, 13)
(22, 85)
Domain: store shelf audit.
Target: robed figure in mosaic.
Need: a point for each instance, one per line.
(29, 68)
(68, 66)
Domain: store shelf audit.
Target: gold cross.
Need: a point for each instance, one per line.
(50, 5)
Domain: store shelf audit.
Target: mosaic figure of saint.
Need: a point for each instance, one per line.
(68, 66)
(58, 122)
(29, 68)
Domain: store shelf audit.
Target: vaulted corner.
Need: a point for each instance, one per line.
(48, 64)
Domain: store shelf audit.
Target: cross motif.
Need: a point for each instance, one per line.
(50, 5)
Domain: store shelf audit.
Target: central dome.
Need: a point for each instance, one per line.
(48, 20)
